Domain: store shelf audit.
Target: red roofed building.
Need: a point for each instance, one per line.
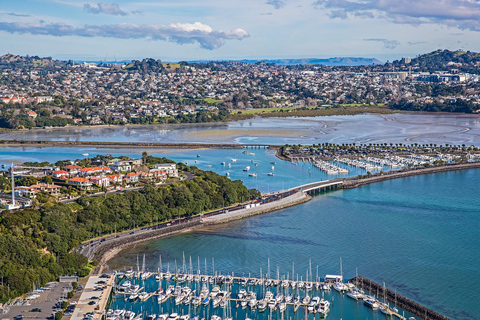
(81, 183)
(60, 174)
(132, 177)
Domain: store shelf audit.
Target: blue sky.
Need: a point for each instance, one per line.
(233, 29)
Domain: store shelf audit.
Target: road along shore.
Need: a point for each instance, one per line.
(104, 251)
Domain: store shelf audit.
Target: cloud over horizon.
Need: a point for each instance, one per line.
(180, 33)
(105, 8)
(387, 44)
(462, 14)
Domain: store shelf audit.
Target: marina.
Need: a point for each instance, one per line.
(227, 296)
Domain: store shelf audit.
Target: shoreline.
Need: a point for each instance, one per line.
(160, 145)
(107, 251)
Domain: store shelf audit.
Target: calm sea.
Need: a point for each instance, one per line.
(418, 234)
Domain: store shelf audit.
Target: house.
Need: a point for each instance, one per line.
(115, 178)
(32, 114)
(121, 166)
(94, 170)
(72, 169)
(81, 183)
(100, 181)
(132, 177)
(169, 168)
(51, 189)
(159, 174)
(60, 174)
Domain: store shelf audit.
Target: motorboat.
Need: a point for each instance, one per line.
(371, 302)
(323, 307)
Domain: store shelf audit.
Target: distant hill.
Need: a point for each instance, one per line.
(11, 60)
(465, 61)
(338, 61)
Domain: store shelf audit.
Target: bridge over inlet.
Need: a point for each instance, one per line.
(318, 186)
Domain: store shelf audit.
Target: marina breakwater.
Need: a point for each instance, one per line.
(355, 182)
(399, 300)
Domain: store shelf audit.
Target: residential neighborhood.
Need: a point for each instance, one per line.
(150, 91)
(66, 181)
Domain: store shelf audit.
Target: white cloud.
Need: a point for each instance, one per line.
(105, 8)
(180, 33)
(463, 14)
(387, 44)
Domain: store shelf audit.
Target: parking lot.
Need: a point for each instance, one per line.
(40, 306)
(94, 298)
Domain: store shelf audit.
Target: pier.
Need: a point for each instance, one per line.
(402, 302)
(205, 295)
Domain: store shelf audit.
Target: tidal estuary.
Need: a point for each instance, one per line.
(419, 235)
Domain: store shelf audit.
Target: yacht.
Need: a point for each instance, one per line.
(223, 163)
(340, 287)
(242, 294)
(252, 303)
(354, 294)
(85, 154)
(185, 317)
(162, 316)
(206, 301)
(323, 307)
(129, 315)
(252, 174)
(234, 160)
(288, 298)
(244, 303)
(133, 296)
(246, 168)
(306, 299)
(282, 306)
(252, 154)
(196, 301)
(308, 286)
(271, 174)
(313, 304)
(272, 305)
(262, 305)
(174, 316)
(371, 302)
(152, 317)
(385, 310)
(244, 282)
(143, 296)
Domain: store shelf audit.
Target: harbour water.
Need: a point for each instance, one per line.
(286, 175)
(418, 234)
(341, 306)
(366, 128)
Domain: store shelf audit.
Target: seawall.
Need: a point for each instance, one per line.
(401, 301)
(355, 182)
(104, 251)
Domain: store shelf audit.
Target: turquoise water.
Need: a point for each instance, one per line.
(341, 306)
(286, 174)
(419, 234)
